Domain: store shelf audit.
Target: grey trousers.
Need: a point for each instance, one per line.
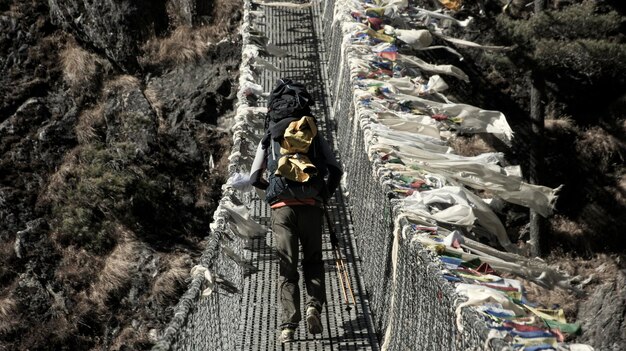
(291, 224)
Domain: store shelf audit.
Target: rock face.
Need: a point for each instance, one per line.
(189, 12)
(603, 313)
(32, 141)
(27, 62)
(129, 116)
(115, 28)
(191, 92)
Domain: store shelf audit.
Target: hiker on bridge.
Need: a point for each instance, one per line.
(297, 160)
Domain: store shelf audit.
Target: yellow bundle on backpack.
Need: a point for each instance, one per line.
(297, 167)
(298, 136)
(297, 139)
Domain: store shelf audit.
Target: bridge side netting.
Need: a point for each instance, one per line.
(212, 321)
(424, 308)
(414, 307)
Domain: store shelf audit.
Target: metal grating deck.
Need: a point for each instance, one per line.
(298, 32)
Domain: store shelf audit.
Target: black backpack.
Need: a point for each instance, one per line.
(288, 99)
(282, 188)
(291, 99)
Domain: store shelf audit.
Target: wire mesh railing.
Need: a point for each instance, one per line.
(211, 320)
(413, 306)
(422, 314)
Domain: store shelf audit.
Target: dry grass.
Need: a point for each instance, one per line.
(83, 307)
(122, 83)
(152, 95)
(7, 254)
(223, 16)
(178, 14)
(117, 270)
(184, 45)
(218, 142)
(62, 329)
(551, 298)
(129, 338)
(564, 124)
(82, 70)
(79, 66)
(168, 285)
(564, 226)
(78, 267)
(586, 275)
(89, 122)
(58, 308)
(8, 315)
(204, 196)
(470, 145)
(599, 148)
(570, 235)
(60, 179)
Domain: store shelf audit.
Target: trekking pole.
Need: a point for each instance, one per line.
(334, 242)
(341, 277)
(347, 278)
(342, 272)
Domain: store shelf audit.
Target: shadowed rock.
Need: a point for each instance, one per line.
(114, 28)
(604, 326)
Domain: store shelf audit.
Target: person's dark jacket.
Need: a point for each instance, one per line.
(259, 165)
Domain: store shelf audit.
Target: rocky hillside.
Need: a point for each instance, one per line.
(111, 163)
(575, 52)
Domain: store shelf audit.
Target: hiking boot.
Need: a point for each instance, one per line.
(313, 320)
(286, 335)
